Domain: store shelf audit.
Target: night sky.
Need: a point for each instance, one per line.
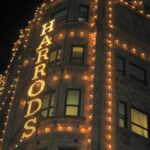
(14, 15)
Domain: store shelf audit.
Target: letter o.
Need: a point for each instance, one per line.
(36, 88)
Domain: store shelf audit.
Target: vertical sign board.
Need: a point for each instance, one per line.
(37, 86)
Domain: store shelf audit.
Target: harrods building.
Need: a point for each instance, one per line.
(79, 78)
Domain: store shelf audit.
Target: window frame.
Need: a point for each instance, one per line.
(123, 117)
(56, 61)
(87, 15)
(124, 65)
(59, 11)
(78, 106)
(47, 109)
(75, 58)
(141, 69)
(138, 110)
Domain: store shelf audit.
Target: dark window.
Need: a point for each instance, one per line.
(48, 106)
(72, 106)
(121, 65)
(55, 56)
(138, 73)
(139, 122)
(61, 15)
(146, 8)
(83, 13)
(77, 55)
(122, 115)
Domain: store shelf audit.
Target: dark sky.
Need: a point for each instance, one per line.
(14, 15)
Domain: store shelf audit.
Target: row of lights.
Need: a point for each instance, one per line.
(109, 120)
(91, 72)
(92, 51)
(71, 34)
(68, 76)
(2, 83)
(132, 50)
(60, 128)
(63, 128)
(136, 5)
(10, 96)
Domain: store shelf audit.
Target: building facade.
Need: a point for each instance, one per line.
(79, 78)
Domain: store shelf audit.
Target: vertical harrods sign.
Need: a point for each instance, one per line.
(38, 84)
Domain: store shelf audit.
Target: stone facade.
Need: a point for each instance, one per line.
(127, 42)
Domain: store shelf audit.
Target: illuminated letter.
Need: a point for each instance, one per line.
(43, 54)
(36, 88)
(31, 112)
(46, 41)
(48, 27)
(31, 129)
(39, 70)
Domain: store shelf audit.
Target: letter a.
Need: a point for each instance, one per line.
(45, 42)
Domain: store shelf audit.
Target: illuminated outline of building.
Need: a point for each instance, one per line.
(79, 78)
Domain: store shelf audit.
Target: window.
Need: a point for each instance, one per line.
(55, 56)
(61, 15)
(83, 13)
(138, 73)
(121, 65)
(77, 55)
(139, 123)
(73, 97)
(48, 104)
(146, 8)
(122, 115)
